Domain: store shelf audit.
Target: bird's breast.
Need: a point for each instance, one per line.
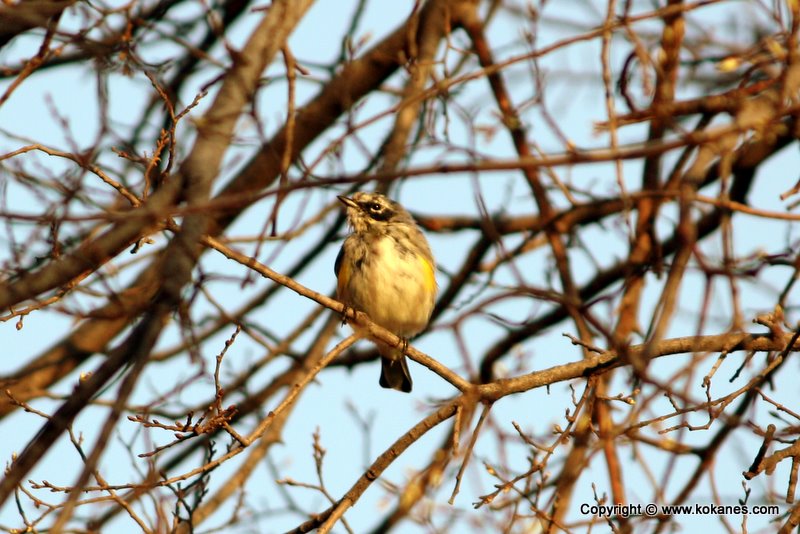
(394, 285)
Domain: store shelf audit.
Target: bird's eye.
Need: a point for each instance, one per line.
(374, 207)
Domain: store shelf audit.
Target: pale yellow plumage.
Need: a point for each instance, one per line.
(385, 268)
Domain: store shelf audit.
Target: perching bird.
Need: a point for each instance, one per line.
(385, 268)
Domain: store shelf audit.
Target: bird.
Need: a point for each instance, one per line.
(385, 268)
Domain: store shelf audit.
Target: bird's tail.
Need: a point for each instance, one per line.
(394, 371)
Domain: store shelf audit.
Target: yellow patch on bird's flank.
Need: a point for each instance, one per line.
(430, 275)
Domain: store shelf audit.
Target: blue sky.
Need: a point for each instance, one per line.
(71, 93)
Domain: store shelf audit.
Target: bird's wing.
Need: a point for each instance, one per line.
(337, 265)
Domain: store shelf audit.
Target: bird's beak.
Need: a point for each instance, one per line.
(349, 202)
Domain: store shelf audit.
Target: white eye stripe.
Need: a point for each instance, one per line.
(377, 211)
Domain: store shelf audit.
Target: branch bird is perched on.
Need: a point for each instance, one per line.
(385, 268)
